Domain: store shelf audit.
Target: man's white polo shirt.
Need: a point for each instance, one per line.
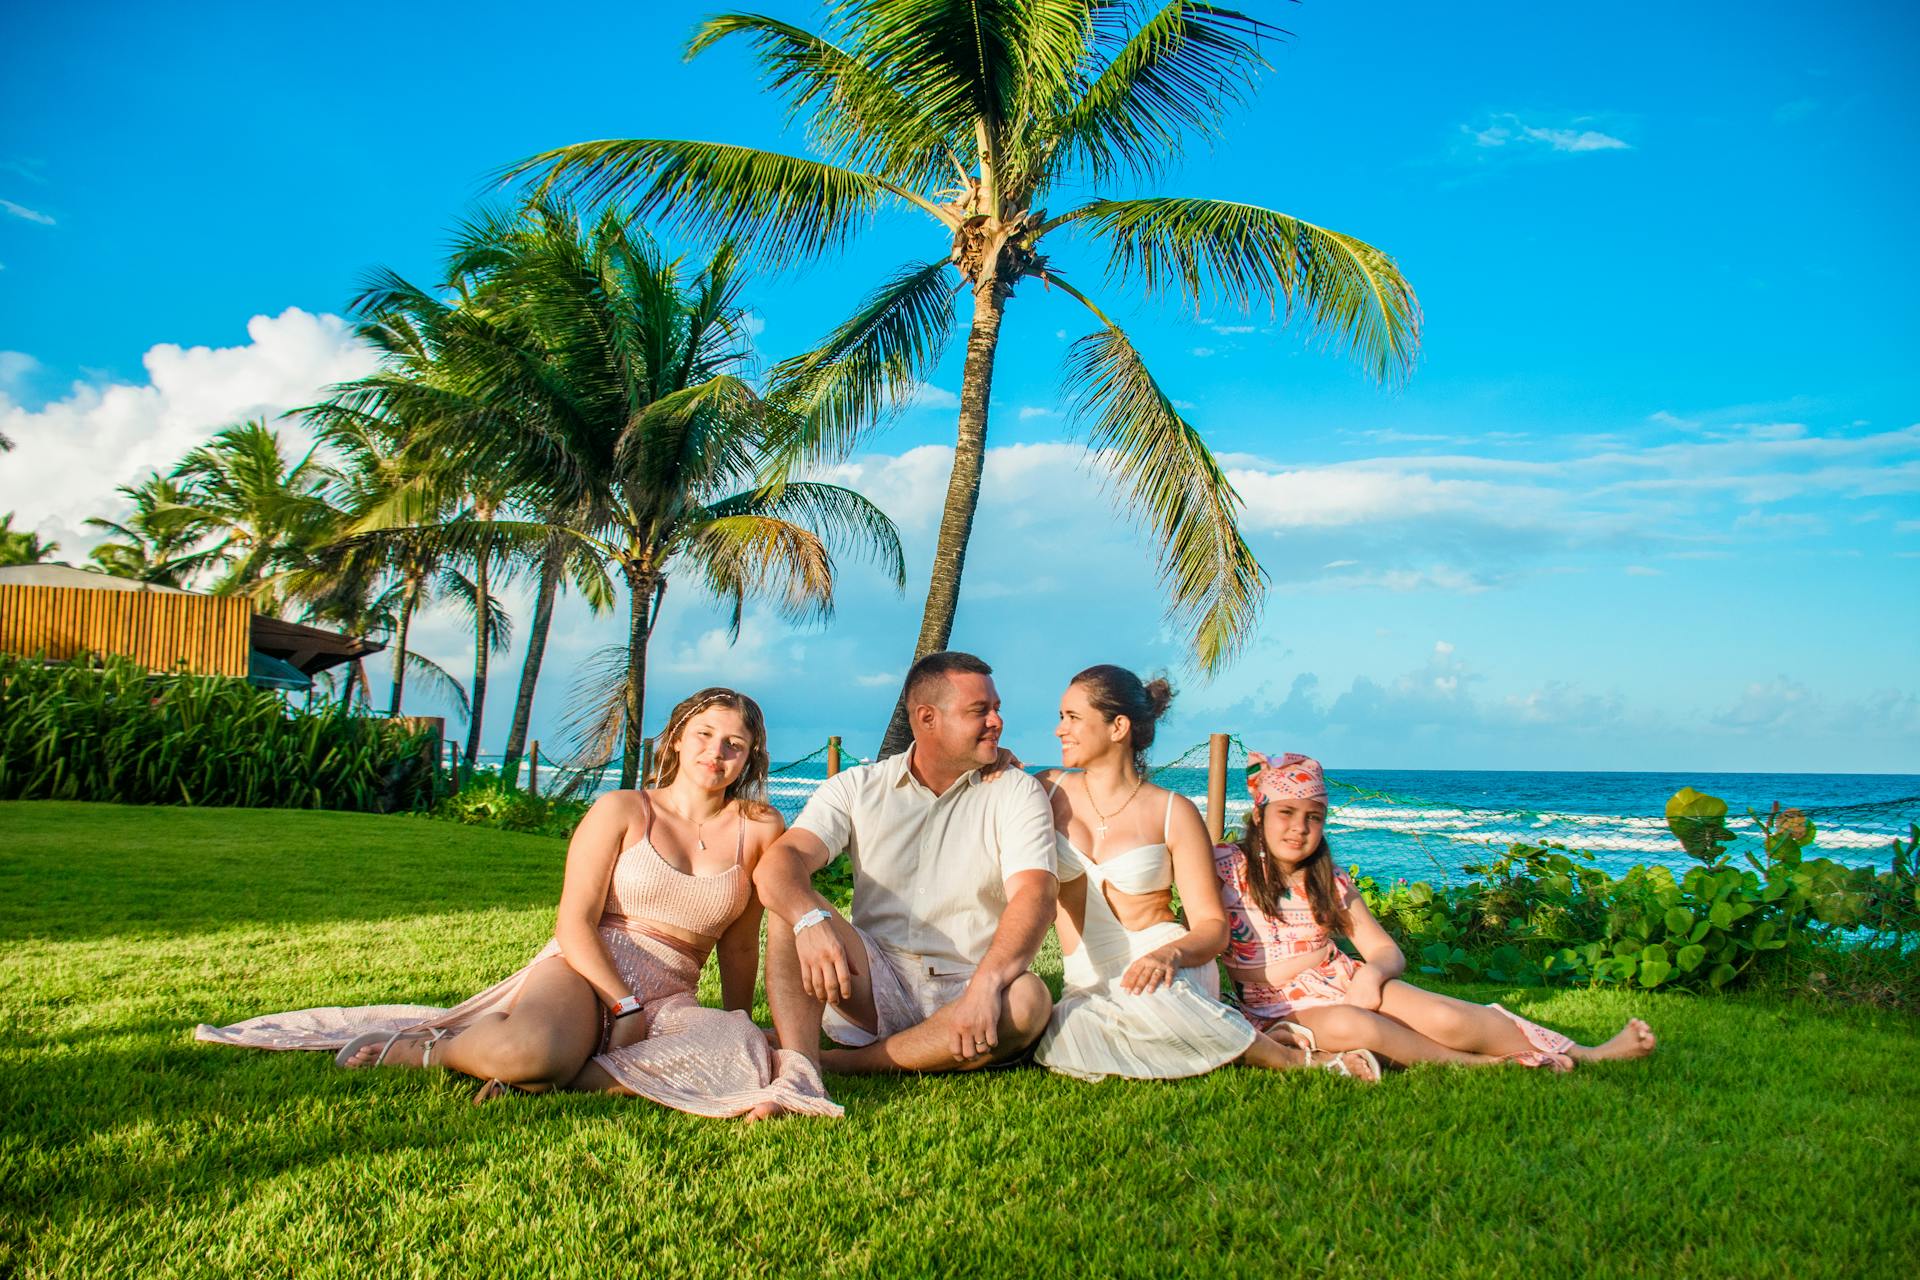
(929, 872)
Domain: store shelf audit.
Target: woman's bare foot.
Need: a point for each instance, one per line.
(408, 1050)
(765, 1111)
(1635, 1040)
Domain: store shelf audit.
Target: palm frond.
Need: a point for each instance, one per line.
(439, 681)
(854, 114)
(1171, 482)
(869, 366)
(781, 209)
(766, 558)
(1176, 75)
(1220, 251)
(846, 521)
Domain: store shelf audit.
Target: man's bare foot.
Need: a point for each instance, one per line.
(765, 1111)
(1635, 1040)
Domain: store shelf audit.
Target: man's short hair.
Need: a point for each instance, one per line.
(932, 671)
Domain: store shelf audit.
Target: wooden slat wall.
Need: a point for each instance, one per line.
(208, 633)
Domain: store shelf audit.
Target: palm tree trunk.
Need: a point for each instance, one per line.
(400, 651)
(640, 586)
(963, 493)
(483, 644)
(550, 570)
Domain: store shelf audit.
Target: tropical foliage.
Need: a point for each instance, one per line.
(601, 383)
(1542, 913)
(976, 114)
(110, 731)
(22, 546)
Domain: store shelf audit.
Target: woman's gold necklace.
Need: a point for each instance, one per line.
(699, 828)
(1101, 830)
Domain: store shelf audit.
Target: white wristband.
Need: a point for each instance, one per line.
(625, 1005)
(811, 919)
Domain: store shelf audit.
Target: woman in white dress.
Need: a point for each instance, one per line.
(1142, 993)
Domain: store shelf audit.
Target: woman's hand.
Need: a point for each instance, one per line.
(631, 1029)
(1363, 991)
(1151, 971)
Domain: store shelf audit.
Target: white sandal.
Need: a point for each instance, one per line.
(1335, 1060)
(344, 1058)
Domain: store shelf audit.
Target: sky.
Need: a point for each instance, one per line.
(1648, 500)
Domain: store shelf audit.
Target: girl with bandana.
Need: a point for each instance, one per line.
(1288, 908)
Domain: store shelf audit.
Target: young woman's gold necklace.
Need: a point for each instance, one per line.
(699, 828)
(1101, 830)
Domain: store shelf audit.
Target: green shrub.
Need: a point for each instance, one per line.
(1539, 913)
(108, 730)
(485, 800)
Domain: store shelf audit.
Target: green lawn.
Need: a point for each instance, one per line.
(1763, 1139)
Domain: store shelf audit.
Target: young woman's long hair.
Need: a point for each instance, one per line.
(1268, 881)
(750, 788)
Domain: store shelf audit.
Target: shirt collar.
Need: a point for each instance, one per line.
(902, 765)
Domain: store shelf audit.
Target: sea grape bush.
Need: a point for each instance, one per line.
(108, 730)
(1541, 914)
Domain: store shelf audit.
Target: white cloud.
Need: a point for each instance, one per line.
(1203, 352)
(1642, 571)
(877, 679)
(15, 366)
(1339, 564)
(31, 215)
(71, 453)
(1028, 412)
(1232, 328)
(1505, 130)
(928, 396)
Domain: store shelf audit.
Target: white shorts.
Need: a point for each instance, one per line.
(906, 992)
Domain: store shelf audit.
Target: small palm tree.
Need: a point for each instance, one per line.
(22, 546)
(972, 113)
(600, 380)
(158, 541)
(265, 515)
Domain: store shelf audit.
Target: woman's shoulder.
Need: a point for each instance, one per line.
(624, 801)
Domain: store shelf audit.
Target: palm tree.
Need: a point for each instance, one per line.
(158, 541)
(265, 514)
(972, 112)
(409, 327)
(580, 365)
(22, 546)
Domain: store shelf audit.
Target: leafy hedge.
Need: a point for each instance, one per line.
(1539, 914)
(108, 730)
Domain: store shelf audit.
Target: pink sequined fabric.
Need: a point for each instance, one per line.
(707, 1062)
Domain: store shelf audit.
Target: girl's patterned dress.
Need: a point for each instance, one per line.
(1257, 939)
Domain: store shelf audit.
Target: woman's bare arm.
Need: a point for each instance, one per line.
(591, 854)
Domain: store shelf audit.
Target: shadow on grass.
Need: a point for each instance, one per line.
(80, 871)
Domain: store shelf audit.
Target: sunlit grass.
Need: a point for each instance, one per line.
(1764, 1139)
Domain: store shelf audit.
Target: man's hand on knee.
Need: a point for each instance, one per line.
(826, 970)
(974, 1021)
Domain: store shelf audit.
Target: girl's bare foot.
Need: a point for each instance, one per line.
(1635, 1040)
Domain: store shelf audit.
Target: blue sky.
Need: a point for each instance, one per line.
(1649, 500)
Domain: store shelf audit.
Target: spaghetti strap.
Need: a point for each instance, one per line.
(740, 841)
(1166, 823)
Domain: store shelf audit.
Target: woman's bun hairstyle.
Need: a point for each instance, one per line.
(1116, 691)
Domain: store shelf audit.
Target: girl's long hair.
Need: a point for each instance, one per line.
(750, 788)
(1268, 881)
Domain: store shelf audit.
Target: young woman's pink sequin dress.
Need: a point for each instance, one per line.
(708, 1062)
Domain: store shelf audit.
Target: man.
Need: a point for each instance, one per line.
(953, 889)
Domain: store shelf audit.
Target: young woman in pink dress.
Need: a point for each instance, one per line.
(1288, 905)
(656, 880)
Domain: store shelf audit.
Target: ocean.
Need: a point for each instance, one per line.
(1426, 824)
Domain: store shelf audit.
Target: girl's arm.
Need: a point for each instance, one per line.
(583, 895)
(1384, 960)
(738, 954)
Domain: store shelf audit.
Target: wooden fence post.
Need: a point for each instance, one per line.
(833, 755)
(533, 770)
(453, 765)
(1217, 786)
